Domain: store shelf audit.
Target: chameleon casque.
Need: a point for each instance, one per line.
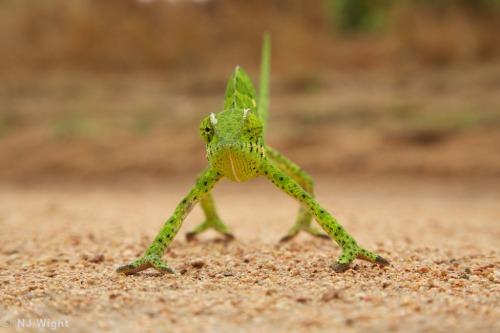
(236, 150)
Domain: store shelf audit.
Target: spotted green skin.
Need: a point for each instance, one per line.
(236, 150)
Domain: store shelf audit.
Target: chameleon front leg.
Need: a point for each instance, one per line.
(152, 257)
(350, 249)
(303, 221)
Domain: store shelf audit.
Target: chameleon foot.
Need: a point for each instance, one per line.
(348, 256)
(146, 262)
(292, 233)
(217, 225)
(191, 236)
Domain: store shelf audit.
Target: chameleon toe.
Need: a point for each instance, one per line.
(132, 269)
(229, 237)
(165, 270)
(381, 261)
(339, 267)
(323, 236)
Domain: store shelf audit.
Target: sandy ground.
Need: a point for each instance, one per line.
(60, 246)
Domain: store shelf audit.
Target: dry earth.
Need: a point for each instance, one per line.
(60, 246)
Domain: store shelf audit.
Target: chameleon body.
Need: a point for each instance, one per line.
(236, 150)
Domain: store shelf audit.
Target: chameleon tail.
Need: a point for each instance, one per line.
(263, 106)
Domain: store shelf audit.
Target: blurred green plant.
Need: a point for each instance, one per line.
(374, 15)
(358, 15)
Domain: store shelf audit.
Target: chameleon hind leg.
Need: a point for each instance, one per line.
(304, 219)
(350, 249)
(152, 257)
(212, 220)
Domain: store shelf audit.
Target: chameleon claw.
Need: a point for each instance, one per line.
(229, 237)
(382, 262)
(339, 267)
(323, 236)
(191, 236)
(287, 238)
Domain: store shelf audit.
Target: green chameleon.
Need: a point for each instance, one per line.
(236, 150)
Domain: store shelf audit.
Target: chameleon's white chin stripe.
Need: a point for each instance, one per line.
(213, 120)
(245, 112)
(233, 170)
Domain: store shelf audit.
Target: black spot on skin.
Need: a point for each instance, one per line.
(251, 148)
(195, 197)
(184, 201)
(205, 183)
(266, 172)
(303, 196)
(321, 211)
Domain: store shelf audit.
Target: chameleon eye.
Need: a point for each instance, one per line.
(206, 130)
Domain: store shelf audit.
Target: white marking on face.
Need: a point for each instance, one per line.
(213, 120)
(245, 112)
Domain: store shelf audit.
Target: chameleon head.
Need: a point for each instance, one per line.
(234, 143)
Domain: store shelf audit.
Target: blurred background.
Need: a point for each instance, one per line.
(113, 89)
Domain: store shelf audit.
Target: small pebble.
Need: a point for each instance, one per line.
(329, 295)
(197, 263)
